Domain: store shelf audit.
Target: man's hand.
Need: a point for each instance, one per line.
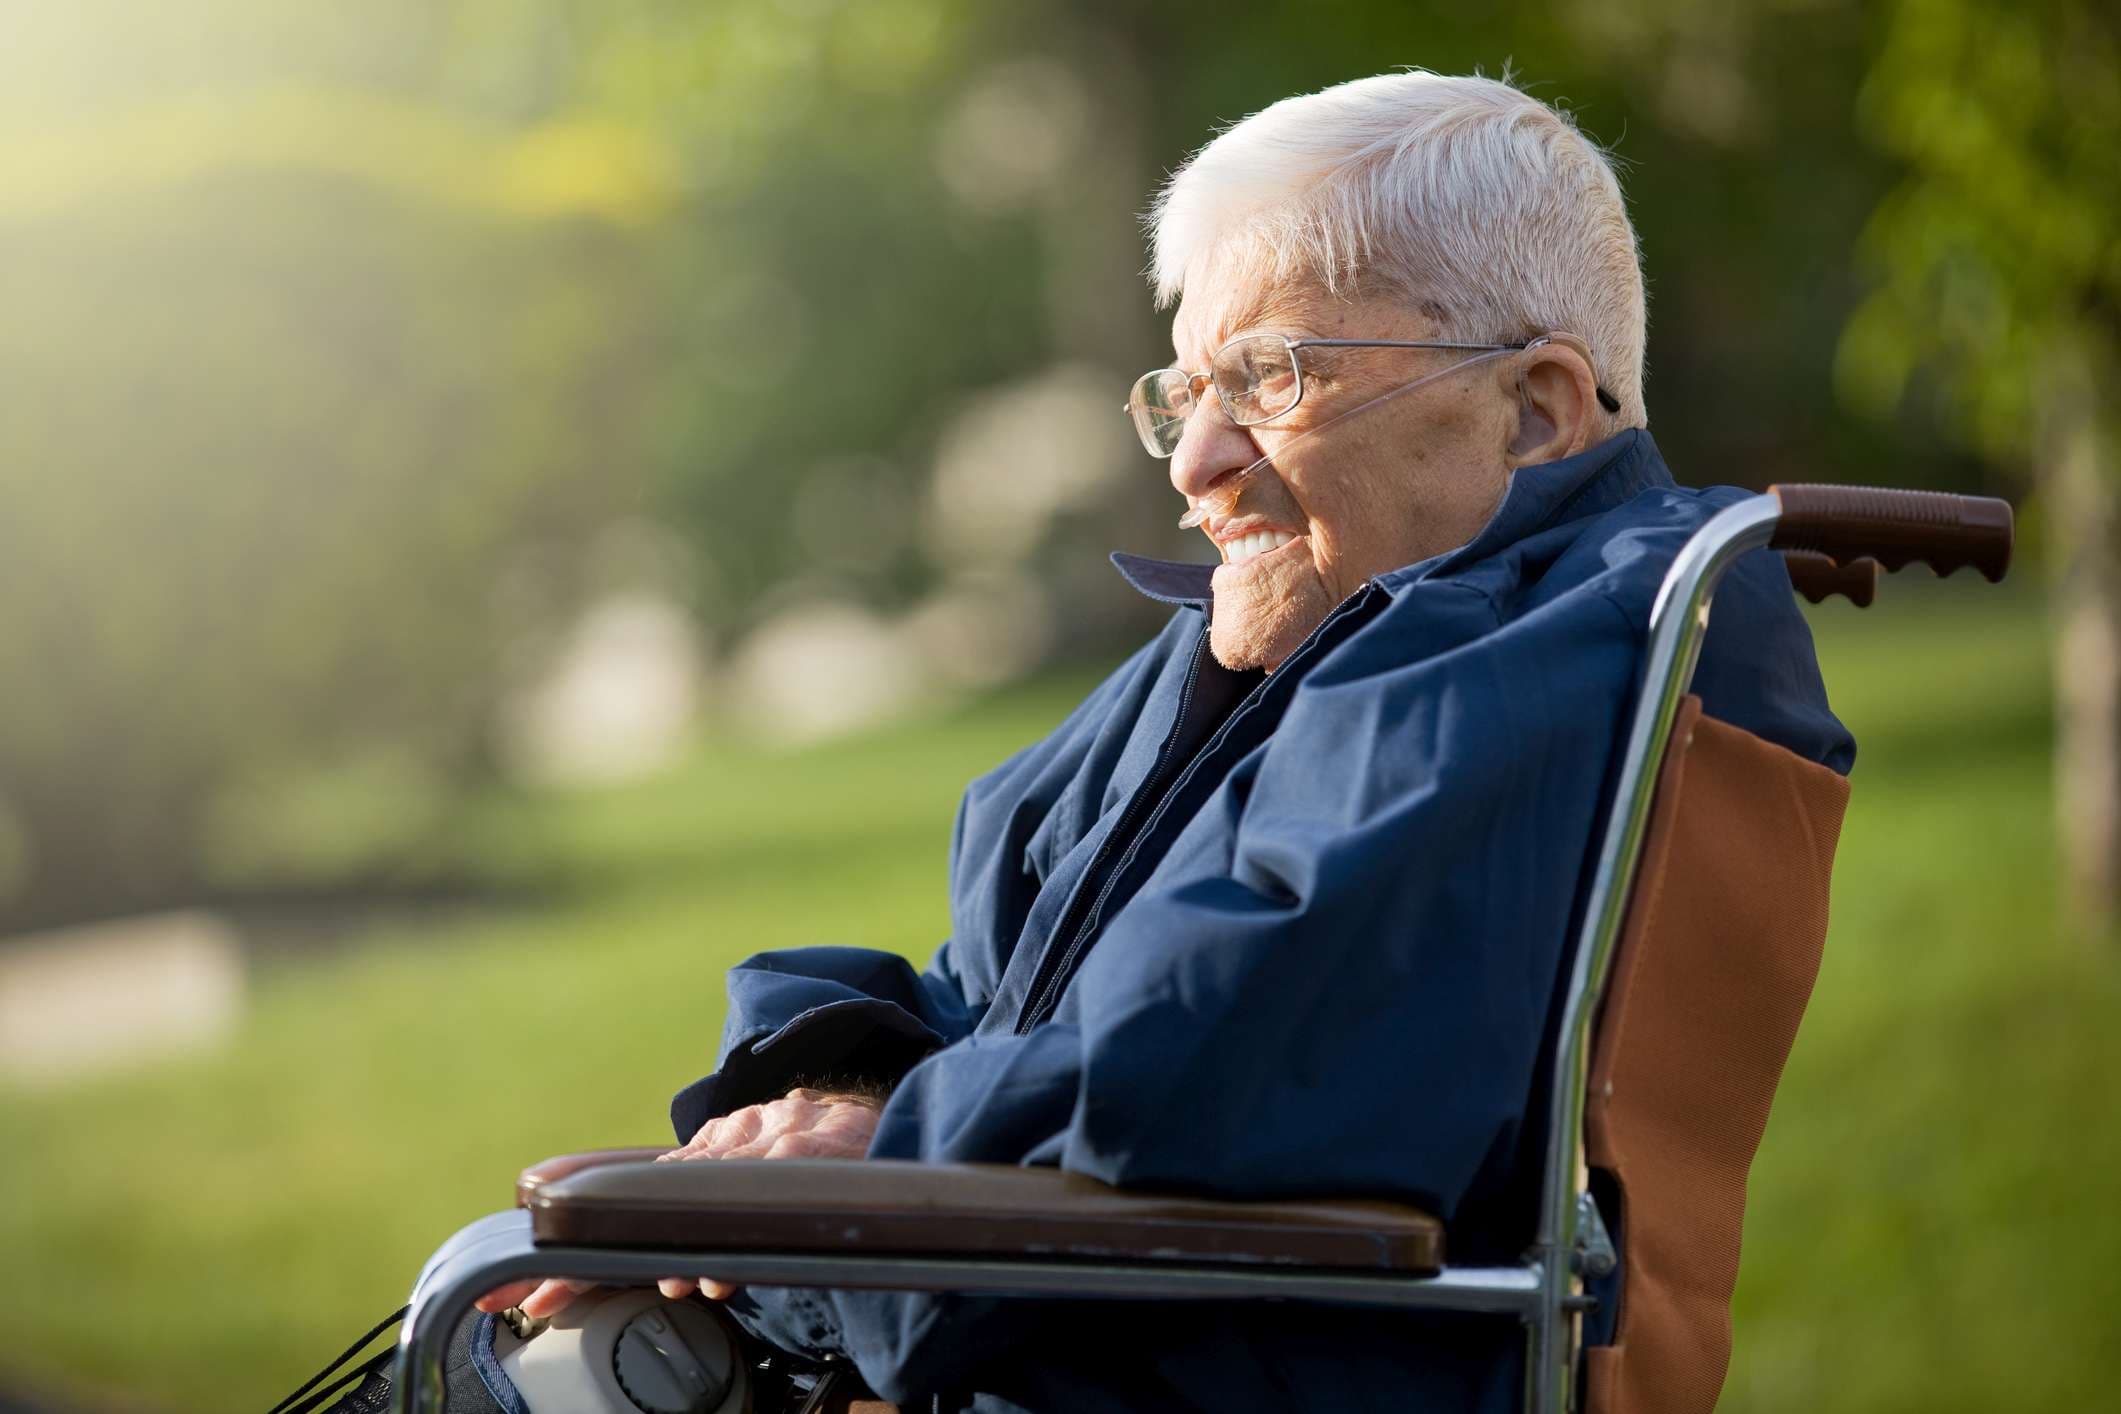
(803, 1124)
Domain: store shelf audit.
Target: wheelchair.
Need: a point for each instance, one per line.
(1699, 945)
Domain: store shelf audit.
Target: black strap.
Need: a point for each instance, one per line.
(289, 1405)
(370, 1369)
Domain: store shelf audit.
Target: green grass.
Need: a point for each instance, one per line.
(1933, 1223)
(1931, 1226)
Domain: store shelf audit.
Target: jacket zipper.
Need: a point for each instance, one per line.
(1053, 977)
(1047, 978)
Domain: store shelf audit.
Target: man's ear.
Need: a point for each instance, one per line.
(1557, 403)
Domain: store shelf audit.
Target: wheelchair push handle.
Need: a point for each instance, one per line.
(1851, 523)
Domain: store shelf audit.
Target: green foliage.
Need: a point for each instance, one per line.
(332, 339)
(1998, 258)
(266, 484)
(310, 363)
(336, 335)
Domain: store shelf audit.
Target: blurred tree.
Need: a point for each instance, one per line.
(1999, 267)
(320, 359)
(913, 205)
(268, 493)
(336, 334)
(347, 331)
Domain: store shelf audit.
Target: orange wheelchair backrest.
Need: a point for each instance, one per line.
(1714, 967)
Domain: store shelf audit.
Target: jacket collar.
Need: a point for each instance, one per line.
(1180, 582)
(1589, 483)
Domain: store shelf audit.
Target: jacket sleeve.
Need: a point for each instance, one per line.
(852, 1014)
(1338, 985)
(823, 1015)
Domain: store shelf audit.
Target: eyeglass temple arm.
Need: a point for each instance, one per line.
(1605, 399)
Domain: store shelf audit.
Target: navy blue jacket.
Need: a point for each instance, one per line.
(1258, 935)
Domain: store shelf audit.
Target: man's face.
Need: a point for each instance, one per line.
(1409, 478)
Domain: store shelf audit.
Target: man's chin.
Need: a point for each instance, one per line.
(1238, 655)
(1242, 640)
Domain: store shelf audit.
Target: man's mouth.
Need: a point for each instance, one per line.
(1244, 547)
(1246, 557)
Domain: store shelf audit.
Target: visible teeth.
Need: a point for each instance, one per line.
(1258, 543)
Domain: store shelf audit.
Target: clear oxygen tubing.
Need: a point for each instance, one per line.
(1222, 499)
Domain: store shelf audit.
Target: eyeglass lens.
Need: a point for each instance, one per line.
(1256, 378)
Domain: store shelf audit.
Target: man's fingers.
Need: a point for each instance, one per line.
(762, 1147)
(841, 1127)
(791, 1146)
(854, 1124)
(718, 1136)
(502, 1297)
(808, 1131)
(540, 1299)
(553, 1297)
(741, 1127)
(703, 1138)
(842, 1132)
(805, 1146)
(753, 1142)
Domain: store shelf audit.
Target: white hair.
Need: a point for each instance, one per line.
(1485, 209)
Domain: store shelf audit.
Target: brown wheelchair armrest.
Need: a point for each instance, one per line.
(561, 1165)
(885, 1205)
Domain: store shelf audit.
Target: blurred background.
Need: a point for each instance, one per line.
(510, 506)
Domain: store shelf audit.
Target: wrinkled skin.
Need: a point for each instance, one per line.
(1396, 483)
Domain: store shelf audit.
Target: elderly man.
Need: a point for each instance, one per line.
(1280, 909)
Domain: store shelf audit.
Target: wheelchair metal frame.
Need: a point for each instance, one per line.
(1545, 1291)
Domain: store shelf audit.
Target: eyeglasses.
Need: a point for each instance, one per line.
(1258, 378)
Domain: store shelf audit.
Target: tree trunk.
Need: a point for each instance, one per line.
(2082, 511)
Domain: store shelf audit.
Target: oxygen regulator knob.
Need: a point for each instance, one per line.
(673, 1359)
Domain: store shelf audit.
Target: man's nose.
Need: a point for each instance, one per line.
(1212, 448)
